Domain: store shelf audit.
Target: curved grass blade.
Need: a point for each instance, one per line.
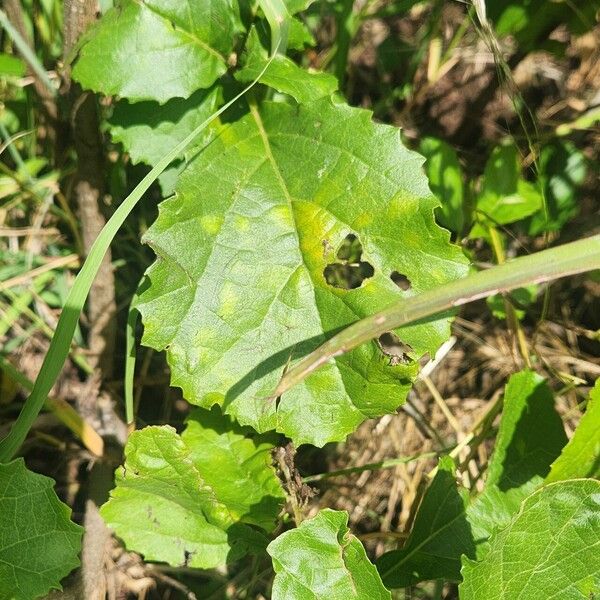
(547, 265)
(61, 341)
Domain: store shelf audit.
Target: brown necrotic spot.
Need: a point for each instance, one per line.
(401, 280)
(397, 351)
(349, 271)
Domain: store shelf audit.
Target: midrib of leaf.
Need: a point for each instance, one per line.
(206, 47)
(428, 538)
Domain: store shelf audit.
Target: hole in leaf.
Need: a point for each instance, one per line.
(397, 351)
(402, 281)
(350, 272)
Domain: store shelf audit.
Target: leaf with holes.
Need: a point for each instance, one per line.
(159, 49)
(550, 549)
(165, 508)
(239, 288)
(39, 544)
(321, 560)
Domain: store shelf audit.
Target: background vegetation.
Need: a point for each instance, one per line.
(504, 106)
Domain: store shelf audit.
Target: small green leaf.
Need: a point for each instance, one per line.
(283, 74)
(299, 36)
(237, 467)
(163, 508)
(505, 196)
(581, 456)
(530, 437)
(440, 534)
(39, 544)
(563, 170)
(446, 182)
(322, 560)
(239, 288)
(158, 49)
(550, 549)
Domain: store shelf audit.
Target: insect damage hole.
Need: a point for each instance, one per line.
(350, 271)
(401, 280)
(396, 350)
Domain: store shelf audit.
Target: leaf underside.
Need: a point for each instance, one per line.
(238, 290)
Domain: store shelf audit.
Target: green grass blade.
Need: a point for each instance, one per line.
(568, 259)
(130, 358)
(59, 346)
(278, 18)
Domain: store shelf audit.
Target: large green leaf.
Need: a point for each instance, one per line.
(39, 544)
(550, 549)
(322, 560)
(158, 49)
(439, 536)
(581, 456)
(239, 289)
(530, 438)
(237, 467)
(163, 507)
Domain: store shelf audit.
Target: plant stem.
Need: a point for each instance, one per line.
(568, 259)
(384, 464)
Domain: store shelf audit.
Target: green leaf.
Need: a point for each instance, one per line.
(550, 549)
(581, 456)
(530, 22)
(39, 544)
(440, 534)
(283, 74)
(239, 288)
(163, 507)
(148, 129)
(299, 36)
(12, 66)
(530, 437)
(505, 196)
(236, 467)
(158, 49)
(563, 170)
(322, 560)
(446, 181)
